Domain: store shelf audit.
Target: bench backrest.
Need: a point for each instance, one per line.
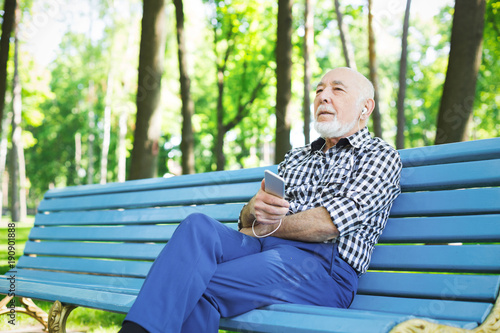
(446, 222)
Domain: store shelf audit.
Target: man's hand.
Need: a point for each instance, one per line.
(268, 208)
(265, 208)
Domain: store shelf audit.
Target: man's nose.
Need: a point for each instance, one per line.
(324, 97)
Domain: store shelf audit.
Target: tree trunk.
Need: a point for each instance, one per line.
(344, 37)
(283, 78)
(148, 125)
(18, 169)
(107, 127)
(400, 134)
(376, 117)
(3, 156)
(460, 84)
(80, 172)
(91, 135)
(124, 111)
(122, 146)
(308, 52)
(187, 143)
(7, 26)
(108, 102)
(221, 68)
(219, 141)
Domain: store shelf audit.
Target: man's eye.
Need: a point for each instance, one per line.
(318, 91)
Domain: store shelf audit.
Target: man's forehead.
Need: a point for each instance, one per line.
(338, 76)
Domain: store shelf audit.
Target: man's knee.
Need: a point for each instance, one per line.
(199, 222)
(195, 218)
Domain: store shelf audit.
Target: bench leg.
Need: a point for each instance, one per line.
(490, 325)
(29, 308)
(58, 315)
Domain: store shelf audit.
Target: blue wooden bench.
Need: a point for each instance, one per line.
(437, 265)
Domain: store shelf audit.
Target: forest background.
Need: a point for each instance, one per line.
(100, 91)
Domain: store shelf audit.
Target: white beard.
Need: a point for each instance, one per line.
(333, 128)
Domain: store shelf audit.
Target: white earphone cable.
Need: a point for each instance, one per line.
(268, 234)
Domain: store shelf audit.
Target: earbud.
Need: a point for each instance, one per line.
(365, 110)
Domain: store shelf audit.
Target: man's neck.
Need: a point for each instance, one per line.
(329, 143)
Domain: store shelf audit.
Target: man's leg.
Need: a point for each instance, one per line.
(285, 272)
(182, 271)
(204, 318)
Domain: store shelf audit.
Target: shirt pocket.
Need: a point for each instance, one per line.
(338, 174)
(296, 180)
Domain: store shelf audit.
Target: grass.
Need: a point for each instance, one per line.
(80, 319)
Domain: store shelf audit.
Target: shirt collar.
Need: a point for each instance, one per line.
(356, 140)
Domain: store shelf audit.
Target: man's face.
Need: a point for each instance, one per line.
(336, 103)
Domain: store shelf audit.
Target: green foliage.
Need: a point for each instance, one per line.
(427, 63)
(52, 159)
(240, 30)
(58, 102)
(57, 99)
(486, 118)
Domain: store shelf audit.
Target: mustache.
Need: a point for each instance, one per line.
(325, 109)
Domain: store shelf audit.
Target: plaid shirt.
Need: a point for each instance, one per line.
(356, 181)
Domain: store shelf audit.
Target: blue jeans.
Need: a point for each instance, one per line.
(208, 270)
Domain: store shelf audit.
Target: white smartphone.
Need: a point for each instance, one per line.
(275, 185)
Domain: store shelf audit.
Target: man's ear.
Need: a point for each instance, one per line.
(369, 105)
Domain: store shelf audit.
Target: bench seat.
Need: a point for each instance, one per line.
(436, 267)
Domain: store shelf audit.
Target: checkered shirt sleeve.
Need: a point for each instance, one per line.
(356, 181)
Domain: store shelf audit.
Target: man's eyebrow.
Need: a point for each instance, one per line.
(321, 83)
(333, 83)
(338, 83)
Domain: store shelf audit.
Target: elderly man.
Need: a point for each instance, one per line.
(338, 193)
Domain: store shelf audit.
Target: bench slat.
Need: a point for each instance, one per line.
(352, 313)
(433, 308)
(276, 318)
(443, 229)
(450, 202)
(95, 250)
(95, 299)
(147, 233)
(451, 153)
(170, 197)
(464, 258)
(125, 285)
(106, 267)
(223, 213)
(467, 287)
(279, 321)
(202, 179)
(440, 258)
(451, 176)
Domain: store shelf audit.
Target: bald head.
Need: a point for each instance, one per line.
(355, 80)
